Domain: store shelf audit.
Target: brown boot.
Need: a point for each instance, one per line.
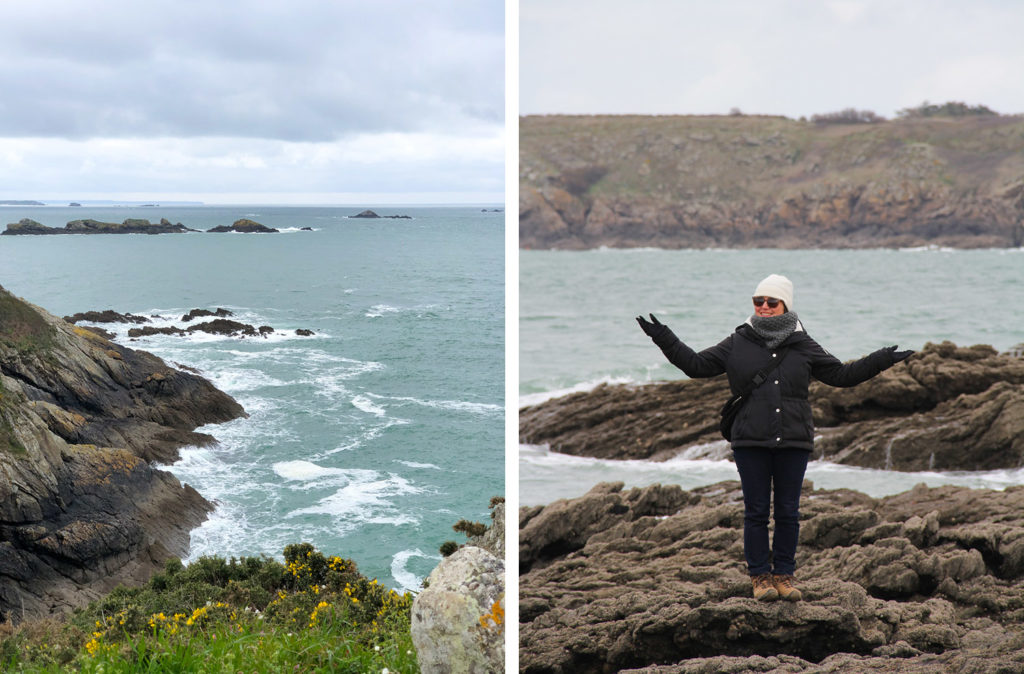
(784, 587)
(764, 589)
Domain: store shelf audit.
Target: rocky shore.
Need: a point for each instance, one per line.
(749, 181)
(220, 325)
(653, 580)
(946, 408)
(82, 420)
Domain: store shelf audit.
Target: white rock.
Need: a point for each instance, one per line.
(458, 622)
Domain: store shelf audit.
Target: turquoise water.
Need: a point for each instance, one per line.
(369, 439)
(577, 329)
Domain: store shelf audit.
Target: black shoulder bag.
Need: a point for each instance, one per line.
(733, 406)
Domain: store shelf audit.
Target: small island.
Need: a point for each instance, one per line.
(244, 226)
(370, 214)
(129, 226)
(20, 202)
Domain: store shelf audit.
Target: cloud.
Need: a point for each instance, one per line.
(301, 70)
(788, 57)
(251, 97)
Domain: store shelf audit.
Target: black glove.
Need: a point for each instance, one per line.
(897, 356)
(654, 328)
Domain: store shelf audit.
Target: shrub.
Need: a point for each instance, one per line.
(848, 116)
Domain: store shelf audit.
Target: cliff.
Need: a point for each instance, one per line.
(756, 181)
(653, 580)
(81, 421)
(944, 408)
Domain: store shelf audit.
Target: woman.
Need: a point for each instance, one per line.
(773, 434)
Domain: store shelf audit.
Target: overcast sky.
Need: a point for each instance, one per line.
(272, 101)
(787, 57)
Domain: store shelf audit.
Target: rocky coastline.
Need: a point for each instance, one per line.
(653, 580)
(83, 420)
(946, 408)
(220, 325)
(750, 181)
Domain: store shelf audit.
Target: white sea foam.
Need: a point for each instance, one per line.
(367, 434)
(378, 310)
(413, 464)
(363, 403)
(365, 499)
(406, 579)
(457, 405)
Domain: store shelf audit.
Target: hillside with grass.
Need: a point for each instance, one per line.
(750, 181)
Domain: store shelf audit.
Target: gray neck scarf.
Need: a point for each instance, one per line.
(774, 329)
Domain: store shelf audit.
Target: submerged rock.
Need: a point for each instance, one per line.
(82, 420)
(654, 580)
(946, 408)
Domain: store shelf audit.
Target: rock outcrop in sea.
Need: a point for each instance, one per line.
(244, 226)
(946, 408)
(372, 214)
(653, 580)
(218, 326)
(748, 181)
(129, 226)
(82, 421)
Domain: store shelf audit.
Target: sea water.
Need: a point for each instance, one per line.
(578, 329)
(369, 439)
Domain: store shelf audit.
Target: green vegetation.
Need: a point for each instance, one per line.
(950, 109)
(22, 327)
(311, 614)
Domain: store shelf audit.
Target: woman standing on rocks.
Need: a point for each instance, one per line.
(773, 433)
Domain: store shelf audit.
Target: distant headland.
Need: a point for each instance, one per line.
(948, 176)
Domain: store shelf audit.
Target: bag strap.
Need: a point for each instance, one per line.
(762, 374)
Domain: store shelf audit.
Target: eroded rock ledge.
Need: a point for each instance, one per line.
(653, 580)
(81, 419)
(945, 408)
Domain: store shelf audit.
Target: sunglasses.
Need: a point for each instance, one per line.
(772, 302)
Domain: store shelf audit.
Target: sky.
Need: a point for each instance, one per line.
(795, 58)
(253, 101)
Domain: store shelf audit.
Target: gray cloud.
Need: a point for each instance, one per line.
(301, 70)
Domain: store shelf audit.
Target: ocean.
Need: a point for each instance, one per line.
(577, 330)
(369, 439)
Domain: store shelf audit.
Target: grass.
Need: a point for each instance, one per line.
(21, 326)
(311, 614)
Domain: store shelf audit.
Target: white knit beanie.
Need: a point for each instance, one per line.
(776, 286)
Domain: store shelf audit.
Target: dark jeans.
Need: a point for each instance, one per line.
(760, 470)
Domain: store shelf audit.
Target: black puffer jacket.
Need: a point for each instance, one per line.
(777, 413)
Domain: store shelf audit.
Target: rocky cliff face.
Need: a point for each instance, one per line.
(81, 419)
(653, 580)
(747, 182)
(945, 408)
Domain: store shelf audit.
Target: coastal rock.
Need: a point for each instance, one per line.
(244, 226)
(149, 331)
(763, 181)
(82, 419)
(199, 313)
(371, 214)
(303, 332)
(129, 226)
(222, 326)
(916, 582)
(107, 316)
(458, 618)
(945, 408)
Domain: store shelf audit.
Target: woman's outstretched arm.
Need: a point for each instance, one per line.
(828, 369)
(707, 363)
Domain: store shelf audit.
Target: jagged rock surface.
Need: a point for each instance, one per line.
(945, 408)
(653, 580)
(81, 507)
(760, 181)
